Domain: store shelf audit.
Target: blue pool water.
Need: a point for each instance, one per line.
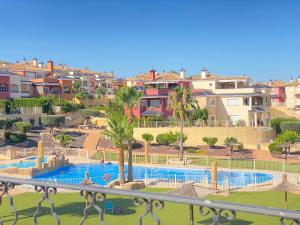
(74, 174)
(27, 163)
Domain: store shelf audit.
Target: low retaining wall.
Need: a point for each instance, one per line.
(249, 136)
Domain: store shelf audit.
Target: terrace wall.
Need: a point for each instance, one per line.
(249, 136)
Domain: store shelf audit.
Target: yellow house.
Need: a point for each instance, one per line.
(232, 100)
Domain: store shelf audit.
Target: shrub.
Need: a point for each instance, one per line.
(240, 146)
(210, 141)
(290, 125)
(273, 148)
(155, 118)
(241, 123)
(275, 123)
(23, 127)
(64, 139)
(167, 138)
(8, 123)
(184, 137)
(147, 137)
(15, 137)
(88, 113)
(161, 139)
(230, 140)
(52, 121)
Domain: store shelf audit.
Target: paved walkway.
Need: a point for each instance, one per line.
(91, 143)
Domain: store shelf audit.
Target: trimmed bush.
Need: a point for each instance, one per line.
(167, 138)
(210, 141)
(290, 125)
(23, 127)
(15, 137)
(275, 123)
(52, 121)
(88, 113)
(8, 123)
(273, 148)
(148, 137)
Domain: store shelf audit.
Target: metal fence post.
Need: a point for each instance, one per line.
(145, 179)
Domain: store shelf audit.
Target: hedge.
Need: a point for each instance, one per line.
(275, 123)
(290, 125)
(15, 137)
(23, 127)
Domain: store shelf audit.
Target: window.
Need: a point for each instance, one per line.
(246, 101)
(3, 88)
(66, 90)
(211, 101)
(84, 83)
(46, 90)
(234, 118)
(14, 88)
(55, 90)
(154, 103)
(233, 102)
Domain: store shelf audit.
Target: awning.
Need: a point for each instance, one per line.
(256, 110)
(154, 96)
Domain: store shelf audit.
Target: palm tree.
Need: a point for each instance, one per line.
(119, 131)
(130, 98)
(181, 104)
(147, 138)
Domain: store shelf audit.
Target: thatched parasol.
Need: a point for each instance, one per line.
(193, 191)
(286, 186)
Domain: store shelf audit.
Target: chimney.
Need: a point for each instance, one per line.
(50, 66)
(204, 73)
(153, 73)
(182, 73)
(35, 62)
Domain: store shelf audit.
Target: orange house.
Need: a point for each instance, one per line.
(52, 86)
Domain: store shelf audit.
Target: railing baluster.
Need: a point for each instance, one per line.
(218, 214)
(283, 221)
(4, 190)
(91, 199)
(46, 191)
(149, 203)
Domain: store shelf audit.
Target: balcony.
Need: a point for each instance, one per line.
(150, 205)
(156, 91)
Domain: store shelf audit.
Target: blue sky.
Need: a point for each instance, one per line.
(260, 38)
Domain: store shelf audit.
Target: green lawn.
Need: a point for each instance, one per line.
(70, 205)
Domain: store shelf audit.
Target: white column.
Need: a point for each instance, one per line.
(255, 119)
(235, 84)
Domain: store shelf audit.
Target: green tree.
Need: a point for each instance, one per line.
(130, 98)
(181, 104)
(100, 92)
(231, 142)
(286, 138)
(210, 141)
(52, 121)
(119, 130)
(64, 139)
(147, 138)
(87, 114)
(23, 127)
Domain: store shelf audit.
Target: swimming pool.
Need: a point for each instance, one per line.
(74, 174)
(26, 163)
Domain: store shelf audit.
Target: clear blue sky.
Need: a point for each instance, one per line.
(260, 38)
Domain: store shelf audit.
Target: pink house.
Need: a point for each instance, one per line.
(4, 87)
(156, 89)
(278, 95)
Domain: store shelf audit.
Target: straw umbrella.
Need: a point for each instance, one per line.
(193, 191)
(286, 186)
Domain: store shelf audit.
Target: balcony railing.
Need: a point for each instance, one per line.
(221, 212)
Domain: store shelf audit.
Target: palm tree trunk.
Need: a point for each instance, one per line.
(121, 165)
(181, 141)
(129, 175)
(146, 152)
